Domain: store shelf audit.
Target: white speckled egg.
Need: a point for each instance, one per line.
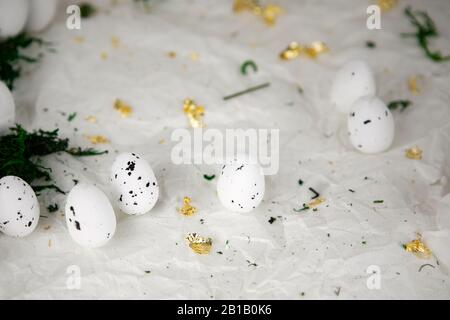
(7, 109)
(19, 207)
(370, 125)
(13, 16)
(41, 13)
(353, 80)
(241, 186)
(134, 183)
(89, 215)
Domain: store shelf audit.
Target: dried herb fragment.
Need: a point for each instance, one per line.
(53, 208)
(71, 116)
(402, 104)
(209, 178)
(378, 201)
(261, 86)
(87, 10)
(246, 65)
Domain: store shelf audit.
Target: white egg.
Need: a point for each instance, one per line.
(354, 80)
(134, 183)
(89, 215)
(41, 13)
(370, 125)
(19, 207)
(7, 109)
(241, 186)
(13, 17)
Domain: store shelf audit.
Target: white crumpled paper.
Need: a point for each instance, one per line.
(330, 253)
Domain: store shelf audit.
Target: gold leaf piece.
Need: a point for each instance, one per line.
(314, 203)
(124, 109)
(194, 113)
(97, 139)
(316, 48)
(418, 248)
(172, 54)
(386, 5)
(413, 85)
(91, 119)
(78, 39)
(292, 51)
(115, 42)
(198, 244)
(269, 13)
(295, 49)
(187, 209)
(414, 153)
(104, 55)
(194, 56)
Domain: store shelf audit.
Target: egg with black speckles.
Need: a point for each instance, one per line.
(19, 207)
(370, 125)
(7, 108)
(90, 216)
(352, 81)
(13, 17)
(136, 190)
(241, 186)
(40, 15)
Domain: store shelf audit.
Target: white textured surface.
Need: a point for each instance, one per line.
(295, 253)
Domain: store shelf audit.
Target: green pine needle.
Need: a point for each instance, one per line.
(425, 29)
(20, 151)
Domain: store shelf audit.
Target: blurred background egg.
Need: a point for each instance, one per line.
(89, 215)
(40, 14)
(13, 17)
(134, 183)
(241, 186)
(353, 80)
(370, 125)
(19, 207)
(7, 108)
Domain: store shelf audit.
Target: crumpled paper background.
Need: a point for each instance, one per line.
(308, 255)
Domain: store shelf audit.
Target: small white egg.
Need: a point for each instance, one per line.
(353, 80)
(13, 17)
(370, 125)
(89, 215)
(7, 109)
(241, 186)
(134, 184)
(41, 13)
(19, 207)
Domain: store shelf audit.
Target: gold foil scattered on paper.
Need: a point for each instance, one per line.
(194, 56)
(194, 113)
(314, 203)
(386, 5)
(198, 244)
(104, 55)
(124, 109)
(414, 153)
(91, 119)
(268, 13)
(115, 42)
(97, 139)
(172, 54)
(418, 248)
(295, 49)
(78, 39)
(413, 86)
(187, 210)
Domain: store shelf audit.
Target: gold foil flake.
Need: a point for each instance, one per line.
(295, 49)
(194, 56)
(91, 119)
(314, 203)
(124, 109)
(172, 54)
(414, 153)
(97, 139)
(198, 244)
(104, 55)
(78, 39)
(268, 13)
(386, 5)
(413, 84)
(162, 141)
(115, 42)
(194, 113)
(187, 209)
(418, 248)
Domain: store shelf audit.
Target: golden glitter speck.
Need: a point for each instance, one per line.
(418, 248)
(172, 54)
(194, 56)
(269, 13)
(187, 209)
(91, 119)
(124, 109)
(104, 55)
(97, 139)
(413, 84)
(386, 5)
(78, 39)
(314, 203)
(414, 153)
(194, 113)
(295, 49)
(115, 42)
(198, 244)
